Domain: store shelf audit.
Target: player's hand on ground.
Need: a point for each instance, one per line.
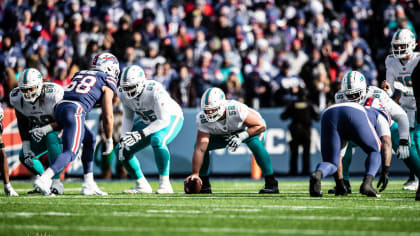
(384, 179)
(233, 142)
(131, 138)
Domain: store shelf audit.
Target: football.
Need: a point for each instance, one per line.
(192, 186)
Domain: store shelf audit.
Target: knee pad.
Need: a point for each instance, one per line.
(70, 154)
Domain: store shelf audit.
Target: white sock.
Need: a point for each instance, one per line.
(88, 177)
(8, 186)
(48, 174)
(141, 181)
(164, 179)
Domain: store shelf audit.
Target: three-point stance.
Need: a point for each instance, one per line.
(86, 89)
(229, 123)
(345, 122)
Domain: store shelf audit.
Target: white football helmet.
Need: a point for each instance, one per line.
(30, 84)
(213, 103)
(107, 63)
(353, 85)
(403, 43)
(132, 81)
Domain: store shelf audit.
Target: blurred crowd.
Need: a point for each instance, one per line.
(260, 52)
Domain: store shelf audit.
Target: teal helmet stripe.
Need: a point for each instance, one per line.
(207, 97)
(125, 74)
(398, 34)
(348, 80)
(25, 76)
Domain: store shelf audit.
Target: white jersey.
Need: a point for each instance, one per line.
(41, 112)
(385, 102)
(398, 77)
(154, 106)
(236, 114)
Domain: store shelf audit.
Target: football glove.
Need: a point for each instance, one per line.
(234, 141)
(403, 150)
(131, 138)
(28, 154)
(38, 133)
(121, 148)
(384, 179)
(109, 145)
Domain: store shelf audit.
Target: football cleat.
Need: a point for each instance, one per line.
(206, 187)
(411, 184)
(43, 185)
(418, 195)
(366, 188)
(164, 188)
(346, 185)
(10, 192)
(34, 191)
(91, 188)
(340, 189)
(271, 185)
(141, 186)
(315, 184)
(57, 187)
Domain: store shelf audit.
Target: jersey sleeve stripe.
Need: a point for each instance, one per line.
(112, 82)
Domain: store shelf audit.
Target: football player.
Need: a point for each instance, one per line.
(86, 89)
(353, 89)
(228, 123)
(346, 122)
(34, 102)
(8, 189)
(399, 75)
(161, 120)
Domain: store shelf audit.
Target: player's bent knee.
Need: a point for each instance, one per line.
(51, 138)
(156, 141)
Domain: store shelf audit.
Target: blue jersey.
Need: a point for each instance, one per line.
(86, 88)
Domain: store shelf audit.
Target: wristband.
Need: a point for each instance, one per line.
(243, 135)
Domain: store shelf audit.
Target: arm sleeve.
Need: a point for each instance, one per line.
(127, 121)
(163, 116)
(389, 78)
(23, 125)
(415, 77)
(399, 116)
(382, 126)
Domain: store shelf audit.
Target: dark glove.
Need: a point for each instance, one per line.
(384, 179)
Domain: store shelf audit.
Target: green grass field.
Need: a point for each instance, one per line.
(234, 209)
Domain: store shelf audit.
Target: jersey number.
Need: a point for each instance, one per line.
(406, 81)
(148, 115)
(44, 119)
(83, 86)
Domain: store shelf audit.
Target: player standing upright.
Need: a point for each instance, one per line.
(86, 89)
(34, 103)
(399, 76)
(228, 123)
(8, 189)
(161, 121)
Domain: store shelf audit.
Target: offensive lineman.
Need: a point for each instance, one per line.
(399, 68)
(34, 102)
(161, 121)
(86, 89)
(353, 89)
(8, 189)
(228, 123)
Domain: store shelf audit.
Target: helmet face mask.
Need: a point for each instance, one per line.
(403, 43)
(353, 85)
(213, 103)
(30, 84)
(132, 81)
(107, 63)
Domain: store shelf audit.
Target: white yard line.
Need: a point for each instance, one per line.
(209, 230)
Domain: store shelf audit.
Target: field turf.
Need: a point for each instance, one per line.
(234, 208)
